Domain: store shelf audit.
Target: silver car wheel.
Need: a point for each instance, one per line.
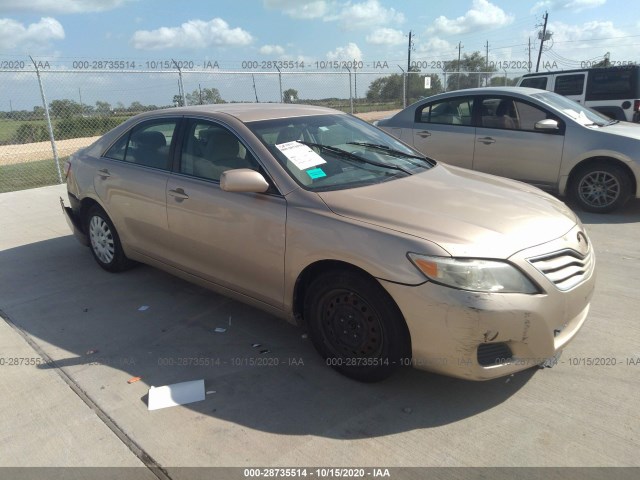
(101, 239)
(599, 189)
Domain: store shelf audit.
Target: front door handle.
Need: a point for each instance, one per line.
(487, 140)
(178, 194)
(104, 173)
(423, 134)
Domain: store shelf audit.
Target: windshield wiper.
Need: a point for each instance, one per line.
(393, 152)
(611, 122)
(390, 150)
(351, 156)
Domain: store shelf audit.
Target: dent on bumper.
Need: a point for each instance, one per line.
(447, 326)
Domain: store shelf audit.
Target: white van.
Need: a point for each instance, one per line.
(612, 91)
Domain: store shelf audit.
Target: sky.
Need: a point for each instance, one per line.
(242, 35)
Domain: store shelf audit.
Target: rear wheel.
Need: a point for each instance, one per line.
(356, 326)
(601, 188)
(104, 241)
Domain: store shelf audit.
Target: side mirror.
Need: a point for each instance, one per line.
(547, 125)
(243, 180)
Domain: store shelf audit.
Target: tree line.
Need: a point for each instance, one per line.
(470, 71)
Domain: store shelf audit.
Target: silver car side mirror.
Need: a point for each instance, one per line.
(243, 180)
(547, 125)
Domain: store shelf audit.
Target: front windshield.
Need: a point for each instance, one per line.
(330, 152)
(581, 114)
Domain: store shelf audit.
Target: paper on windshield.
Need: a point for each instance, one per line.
(579, 117)
(300, 155)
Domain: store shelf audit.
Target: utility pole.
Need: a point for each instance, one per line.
(542, 39)
(459, 51)
(486, 68)
(409, 48)
(200, 90)
(529, 64)
(486, 46)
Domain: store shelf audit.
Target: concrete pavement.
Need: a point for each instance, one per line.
(282, 407)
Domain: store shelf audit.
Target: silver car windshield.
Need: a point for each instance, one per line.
(581, 114)
(330, 152)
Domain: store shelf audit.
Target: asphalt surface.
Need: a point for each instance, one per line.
(83, 335)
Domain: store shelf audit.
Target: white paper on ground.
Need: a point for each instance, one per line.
(176, 394)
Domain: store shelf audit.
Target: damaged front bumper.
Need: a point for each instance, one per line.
(481, 336)
(74, 223)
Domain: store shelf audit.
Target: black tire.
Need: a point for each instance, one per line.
(104, 241)
(373, 339)
(600, 188)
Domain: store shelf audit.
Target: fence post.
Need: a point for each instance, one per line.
(350, 90)
(280, 82)
(54, 148)
(404, 87)
(180, 84)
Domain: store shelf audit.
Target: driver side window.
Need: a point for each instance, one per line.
(210, 149)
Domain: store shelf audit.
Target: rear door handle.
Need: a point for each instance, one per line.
(423, 134)
(487, 140)
(104, 173)
(178, 194)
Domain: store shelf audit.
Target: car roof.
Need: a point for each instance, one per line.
(617, 68)
(249, 112)
(491, 91)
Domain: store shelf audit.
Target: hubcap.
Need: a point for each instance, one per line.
(101, 239)
(350, 326)
(599, 189)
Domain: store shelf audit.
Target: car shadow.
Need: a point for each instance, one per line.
(630, 213)
(260, 372)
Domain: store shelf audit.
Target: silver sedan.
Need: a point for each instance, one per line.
(529, 135)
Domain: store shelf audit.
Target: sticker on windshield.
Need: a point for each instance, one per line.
(316, 173)
(300, 155)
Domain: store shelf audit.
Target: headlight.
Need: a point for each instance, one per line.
(474, 274)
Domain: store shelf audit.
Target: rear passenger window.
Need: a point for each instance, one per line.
(613, 85)
(535, 82)
(449, 112)
(569, 84)
(147, 144)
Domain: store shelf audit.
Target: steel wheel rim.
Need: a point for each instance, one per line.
(599, 189)
(101, 239)
(350, 326)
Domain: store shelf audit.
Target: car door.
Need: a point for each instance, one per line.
(131, 180)
(236, 240)
(507, 143)
(443, 130)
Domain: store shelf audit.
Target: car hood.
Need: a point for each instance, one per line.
(625, 129)
(467, 213)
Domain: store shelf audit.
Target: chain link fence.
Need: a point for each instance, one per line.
(46, 115)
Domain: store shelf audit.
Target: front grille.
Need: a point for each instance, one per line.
(494, 354)
(565, 268)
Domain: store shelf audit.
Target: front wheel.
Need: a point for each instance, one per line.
(356, 326)
(104, 241)
(601, 188)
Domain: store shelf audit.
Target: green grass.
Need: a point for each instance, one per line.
(8, 129)
(28, 175)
